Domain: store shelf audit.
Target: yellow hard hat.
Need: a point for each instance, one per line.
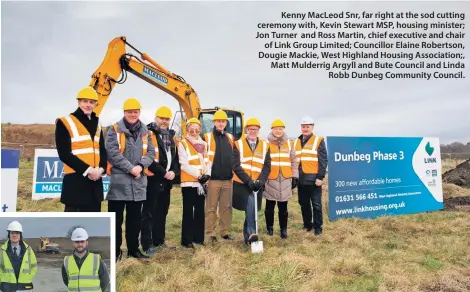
(131, 104)
(277, 123)
(163, 112)
(88, 93)
(252, 122)
(220, 115)
(193, 121)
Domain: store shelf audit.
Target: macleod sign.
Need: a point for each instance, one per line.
(48, 175)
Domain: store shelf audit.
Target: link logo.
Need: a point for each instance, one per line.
(429, 150)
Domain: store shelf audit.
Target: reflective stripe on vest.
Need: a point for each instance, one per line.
(193, 160)
(307, 156)
(121, 138)
(251, 163)
(209, 138)
(155, 145)
(86, 278)
(280, 160)
(82, 144)
(27, 270)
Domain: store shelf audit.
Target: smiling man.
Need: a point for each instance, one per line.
(80, 145)
(18, 265)
(83, 270)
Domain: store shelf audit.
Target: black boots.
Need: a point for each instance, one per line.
(269, 217)
(283, 224)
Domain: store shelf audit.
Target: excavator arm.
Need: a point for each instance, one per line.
(117, 63)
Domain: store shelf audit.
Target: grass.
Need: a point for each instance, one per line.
(419, 252)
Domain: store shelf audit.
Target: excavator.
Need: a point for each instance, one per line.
(117, 63)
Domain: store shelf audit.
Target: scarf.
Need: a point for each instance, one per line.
(164, 135)
(276, 140)
(133, 128)
(198, 144)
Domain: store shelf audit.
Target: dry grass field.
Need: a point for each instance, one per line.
(418, 252)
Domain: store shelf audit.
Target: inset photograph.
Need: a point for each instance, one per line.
(56, 252)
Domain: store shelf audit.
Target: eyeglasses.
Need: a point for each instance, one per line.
(194, 130)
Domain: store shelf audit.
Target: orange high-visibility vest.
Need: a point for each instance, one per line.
(251, 162)
(209, 138)
(307, 156)
(83, 146)
(280, 160)
(193, 159)
(121, 138)
(155, 145)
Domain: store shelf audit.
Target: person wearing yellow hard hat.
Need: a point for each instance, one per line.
(220, 187)
(195, 172)
(80, 145)
(312, 158)
(251, 166)
(282, 179)
(18, 263)
(162, 174)
(131, 152)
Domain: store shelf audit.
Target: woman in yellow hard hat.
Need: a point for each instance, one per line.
(130, 152)
(195, 172)
(282, 178)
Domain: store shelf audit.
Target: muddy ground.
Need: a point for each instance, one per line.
(460, 175)
(49, 276)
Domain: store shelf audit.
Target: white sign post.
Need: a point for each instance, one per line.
(9, 189)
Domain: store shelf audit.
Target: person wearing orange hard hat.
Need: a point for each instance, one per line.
(282, 179)
(162, 174)
(130, 153)
(251, 166)
(220, 186)
(80, 145)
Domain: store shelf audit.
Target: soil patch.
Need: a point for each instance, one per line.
(459, 176)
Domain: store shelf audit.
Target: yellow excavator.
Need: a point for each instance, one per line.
(117, 62)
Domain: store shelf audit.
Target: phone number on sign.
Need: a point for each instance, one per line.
(356, 197)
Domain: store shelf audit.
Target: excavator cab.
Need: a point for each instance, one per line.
(234, 124)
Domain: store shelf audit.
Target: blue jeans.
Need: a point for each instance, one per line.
(249, 227)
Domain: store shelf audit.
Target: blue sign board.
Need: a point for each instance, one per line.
(376, 176)
(49, 173)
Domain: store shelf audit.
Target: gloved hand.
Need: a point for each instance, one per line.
(251, 185)
(257, 186)
(204, 178)
(295, 182)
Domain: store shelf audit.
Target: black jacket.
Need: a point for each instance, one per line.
(102, 271)
(159, 169)
(242, 191)
(78, 190)
(222, 164)
(309, 179)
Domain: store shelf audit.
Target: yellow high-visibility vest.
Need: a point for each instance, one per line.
(280, 160)
(251, 162)
(86, 278)
(193, 159)
(209, 138)
(28, 269)
(308, 155)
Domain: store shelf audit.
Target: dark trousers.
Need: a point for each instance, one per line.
(193, 216)
(95, 207)
(133, 217)
(154, 212)
(310, 195)
(282, 213)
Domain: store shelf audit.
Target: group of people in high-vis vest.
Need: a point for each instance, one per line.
(216, 173)
(81, 271)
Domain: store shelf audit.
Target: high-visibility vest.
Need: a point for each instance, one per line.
(86, 278)
(307, 156)
(193, 159)
(251, 162)
(280, 160)
(121, 138)
(28, 269)
(209, 138)
(83, 146)
(155, 145)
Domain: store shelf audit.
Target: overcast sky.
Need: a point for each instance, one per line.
(50, 50)
(57, 227)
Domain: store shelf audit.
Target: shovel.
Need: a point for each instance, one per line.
(257, 246)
